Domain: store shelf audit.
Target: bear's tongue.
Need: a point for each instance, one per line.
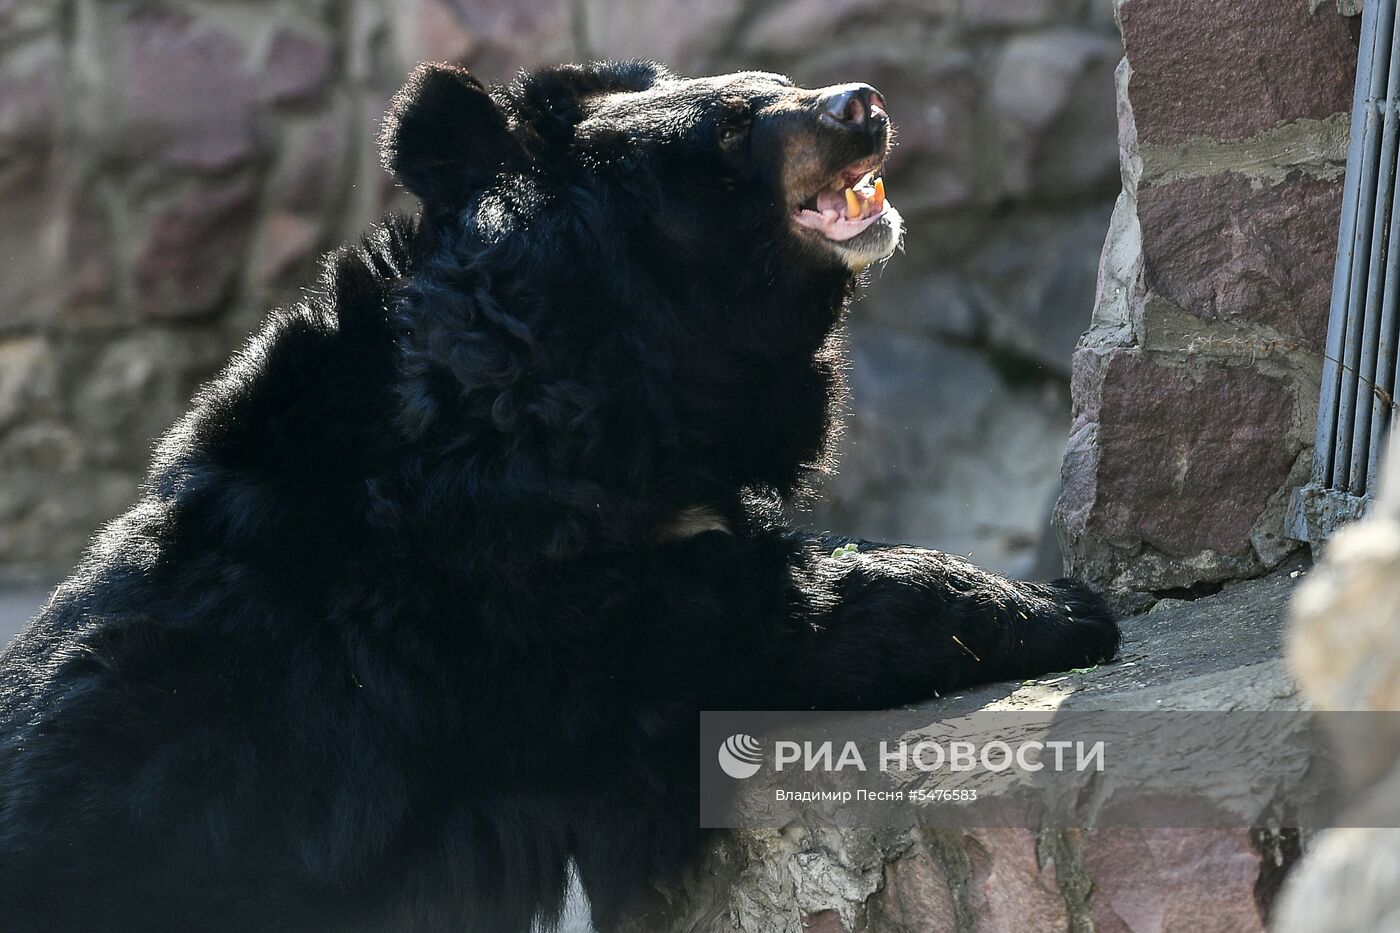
(839, 213)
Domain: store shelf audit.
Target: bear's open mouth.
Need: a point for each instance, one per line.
(850, 203)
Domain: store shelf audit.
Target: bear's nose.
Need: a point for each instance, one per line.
(854, 106)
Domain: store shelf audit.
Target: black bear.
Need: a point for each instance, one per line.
(422, 597)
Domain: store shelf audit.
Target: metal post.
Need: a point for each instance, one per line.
(1361, 244)
(1362, 453)
(1341, 275)
(1361, 365)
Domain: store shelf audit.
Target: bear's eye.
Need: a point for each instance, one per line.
(734, 128)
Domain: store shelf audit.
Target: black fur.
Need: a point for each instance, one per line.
(396, 628)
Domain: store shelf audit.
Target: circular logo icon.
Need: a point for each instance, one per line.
(740, 756)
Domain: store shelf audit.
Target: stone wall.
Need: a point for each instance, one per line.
(999, 879)
(1195, 391)
(168, 170)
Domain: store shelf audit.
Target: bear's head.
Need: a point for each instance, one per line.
(632, 279)
(744, 166)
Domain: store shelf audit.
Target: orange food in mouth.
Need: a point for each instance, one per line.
(852, 202)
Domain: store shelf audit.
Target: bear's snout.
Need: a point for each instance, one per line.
(857, 107)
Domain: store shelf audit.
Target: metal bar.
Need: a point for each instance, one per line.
(1380, 265)
(1355, 309)
(1341, 276)
(1393, 419)
(1361, 245)
(1394, 413)
(1388, 335)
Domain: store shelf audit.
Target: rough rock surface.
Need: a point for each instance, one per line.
(1218, 652)
(1248, 66)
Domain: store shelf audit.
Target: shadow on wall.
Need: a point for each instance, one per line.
(171, 170)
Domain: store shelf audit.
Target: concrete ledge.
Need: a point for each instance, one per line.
(1221, 652)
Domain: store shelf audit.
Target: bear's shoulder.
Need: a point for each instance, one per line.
(311, 368)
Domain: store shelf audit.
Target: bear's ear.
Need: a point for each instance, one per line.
(444, 137)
